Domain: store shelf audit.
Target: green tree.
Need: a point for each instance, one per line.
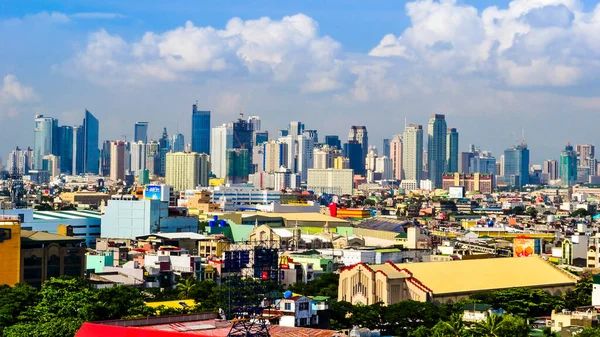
(547, 332)
(491, 327)
(580, 212)
(581, 295)
(523, 302)
(402, 317)
(341, 313)
(14, 301)
(589, 332)
(325, 285)
(186, 287)
(513, 326)
(454, 327)
(532, 212)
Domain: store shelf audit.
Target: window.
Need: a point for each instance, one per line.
(303, 306)
(287, 306)
(303, 321)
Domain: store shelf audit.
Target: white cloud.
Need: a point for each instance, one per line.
(97, 15)
(13, 93)
(530, 43)
(282, 50)
(41, 18)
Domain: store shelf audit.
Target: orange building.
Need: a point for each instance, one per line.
(10, 250)
(353, 213)
(481, 182)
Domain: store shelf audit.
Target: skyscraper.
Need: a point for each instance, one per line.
(295, 128)
(333, 141)
(436, 149)
(260, 137)
(105, 159)
(187, 171)
(44, 136)
(386, 147)
(312, 134)
(178, 143)
(584, 152)
(221, 141)
(360, 135)
(353, 151)
(412, 153)
(91, 151)
(396, 156)
(138, 157)
(550, 170)
(516, 165)
(200, 130)
(482, 162)
(242, 139)
(117, 160)
(65, 148)
(237, 165)
(275, 155)
(141, 132)
(255, 121)
(19, 161)
(78, 150)
(452, 150)
(568, 166)
(305, 155)
(163, 149)
(464, 162)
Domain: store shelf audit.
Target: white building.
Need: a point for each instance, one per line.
(331, 181)
(235, 196)
(275, 155)
(221, 141)
(384, 165)
(409, 185)
(297, 311)
(138, 156)
(426, 185)
(412, 151)
(291, 155)
(324, 157)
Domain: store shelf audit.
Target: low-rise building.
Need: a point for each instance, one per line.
(565, 318)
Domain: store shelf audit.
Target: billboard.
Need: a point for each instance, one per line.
(523, 247)
(153, 192)
(456, 192)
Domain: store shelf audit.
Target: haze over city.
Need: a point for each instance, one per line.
(494, 68)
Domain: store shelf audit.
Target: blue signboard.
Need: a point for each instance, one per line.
(153, 192)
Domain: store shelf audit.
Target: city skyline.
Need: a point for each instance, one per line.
(400, 67)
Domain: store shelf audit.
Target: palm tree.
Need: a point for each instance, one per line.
(490, 327)
(455, 327)
(185, 287)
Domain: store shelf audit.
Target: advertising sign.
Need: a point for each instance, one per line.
(523, 247)
(153, 192)
(456, 192)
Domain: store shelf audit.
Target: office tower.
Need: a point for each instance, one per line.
(341, 163)
(305, 155)
(568, 166)
(255, 121)
(464, 162)
(425, 164)
(452, 150)
(187, 171)
(325, 156)
(260, 137)
(333, 141)
(221, 141)
(105, 159)
(51, 163)
(65, 148)
(291, 143)
(138, 156)
(584, 152)
(283, 133)
(237, 165)
(436, 148)
(258, 159)
(412, 153)
(44, 134)
(153, 157)
(312, 134)
(275, 156)
(117, 160)
(295, 128)
(141, 132)
(91, 152)
(482, 162)
(516, 165)
(178, 143)
(353, 151)
(396, 156)
(163, 149)
(78, 151)
(19, 162)
(359, 134)
(501, 173)
(550, 169)
(371, 160)
(386, 147)
(200, 130)
(385, 167)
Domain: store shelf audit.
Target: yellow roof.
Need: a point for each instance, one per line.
(467, 276)
(390, 271)
(177, 304)
(305, 217)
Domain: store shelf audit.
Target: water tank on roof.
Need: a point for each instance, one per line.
(550, 218)
(211, 223)
(491, 223)
(222, 223)
(215, 218)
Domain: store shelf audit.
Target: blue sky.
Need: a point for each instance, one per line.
(493, 67)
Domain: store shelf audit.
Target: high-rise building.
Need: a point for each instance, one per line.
(331, 181)
(187, 171)
(275, 155)
(255, 121)
(386, 147)
(163, 148)
(153, 157)
(371, 160)
(305, 155)
(452, 150)
(464, 162)
(295, 128)
(436, 148)
(501, 173)
(360, 135)
(550, 169)
(324, 157)
(221, 141)
(384, 166)
(105, 158)
(395, 149)
(568, 166)
(480, 182)
(44, 138)
(412, 153)
(237, 165)
(51, 163)
(91, 151)
(138, 156)
(333, 141)
(177, 143)
(312, 134)
(291, 143)
(117, 160)
(353, 151)
(516, 165)
(65, 148)
(584, 151)
(141, 132)
(19, 162)
(260, 137)
(78, 151)
(482, 162)
(200, 130)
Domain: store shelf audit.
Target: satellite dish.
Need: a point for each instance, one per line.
(287, 294)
